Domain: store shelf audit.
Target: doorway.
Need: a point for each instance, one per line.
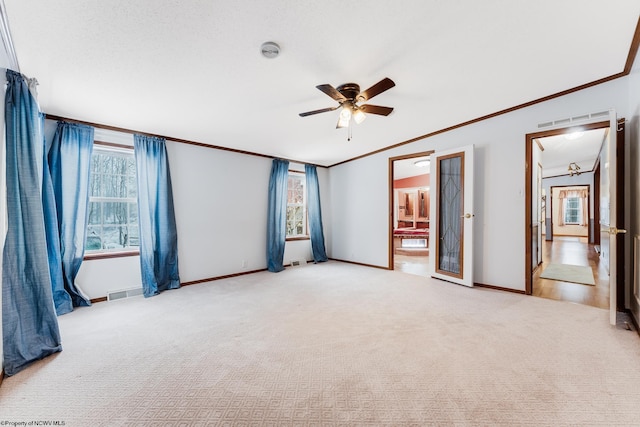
(409, 213)
(564, 201)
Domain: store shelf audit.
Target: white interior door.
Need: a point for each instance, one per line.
(608, 227)
(451, 224)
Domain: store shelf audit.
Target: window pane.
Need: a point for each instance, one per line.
(93, 241)
(296, 205)
(112, 223)
(572, 210)
(134, 235)
(451, 193)
(115, 237)
(95, 217)
(115, 212)
(132, 187)
(94, 185)
(133, 213)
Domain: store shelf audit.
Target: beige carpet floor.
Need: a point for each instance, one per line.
(333, 345)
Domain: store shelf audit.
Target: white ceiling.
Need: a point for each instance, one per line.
(193, 69)
(406, 168)
(560, 150)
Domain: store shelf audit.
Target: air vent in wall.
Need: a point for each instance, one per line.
(574, 120)
(125, 293)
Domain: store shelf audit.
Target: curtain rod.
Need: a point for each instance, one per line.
(178, 140)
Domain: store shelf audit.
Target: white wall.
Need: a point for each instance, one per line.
(360, 187)
(220, 200)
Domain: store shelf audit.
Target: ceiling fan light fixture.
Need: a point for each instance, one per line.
(573, 135)
(342, 123)
(574, 169)
(359, 116)
(344, 118)
(345, 113)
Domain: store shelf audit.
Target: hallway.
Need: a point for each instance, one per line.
(417, 265)
(572, 250)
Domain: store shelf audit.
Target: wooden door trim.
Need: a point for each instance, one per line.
(528, 182)
(391, 207)
(437, 225)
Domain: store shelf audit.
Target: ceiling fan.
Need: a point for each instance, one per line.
(349, 98)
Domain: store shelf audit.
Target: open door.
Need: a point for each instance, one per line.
(608, 212)
(451, 235)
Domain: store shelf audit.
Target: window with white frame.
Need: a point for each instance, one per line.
(113, 205)
(573, 210)
(296, 205)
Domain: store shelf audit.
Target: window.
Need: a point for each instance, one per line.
(113, 206)
(572, 210)
(296, 205)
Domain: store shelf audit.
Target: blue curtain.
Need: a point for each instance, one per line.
(158, 235)
(29, 323)
(61, 298)
(69, 163)
(277, 215)
(314, 214)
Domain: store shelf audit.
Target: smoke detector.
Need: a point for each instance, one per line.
(270, 49)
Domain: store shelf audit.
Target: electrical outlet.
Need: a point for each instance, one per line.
(245, 264)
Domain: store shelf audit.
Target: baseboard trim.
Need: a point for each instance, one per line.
(359, 263)
(499, 288)
(195, 282)
(226, 276)
(208, 279)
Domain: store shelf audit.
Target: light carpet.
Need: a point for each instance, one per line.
(569, 273)
(333, 345)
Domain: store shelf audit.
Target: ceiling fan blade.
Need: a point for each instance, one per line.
(324, 110)
(376, 89)
(332, 92)
(376, 109)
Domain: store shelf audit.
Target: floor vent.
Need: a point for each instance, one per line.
(125, 293)
(298, 262)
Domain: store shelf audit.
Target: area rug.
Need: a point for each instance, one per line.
(569, 273)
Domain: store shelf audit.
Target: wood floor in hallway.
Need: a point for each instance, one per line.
(562, 250)
(418, 265)
(572, 250)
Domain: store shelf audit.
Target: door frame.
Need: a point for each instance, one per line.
(529, 138)
(391, 206)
